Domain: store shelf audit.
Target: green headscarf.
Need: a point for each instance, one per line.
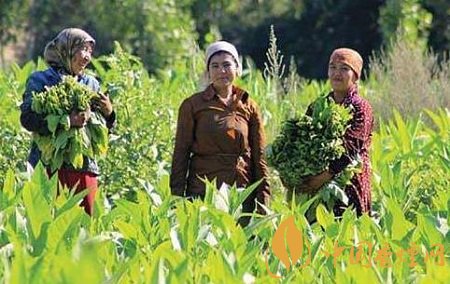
(59, 52)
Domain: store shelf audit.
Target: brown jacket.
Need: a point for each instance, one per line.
(216, 141)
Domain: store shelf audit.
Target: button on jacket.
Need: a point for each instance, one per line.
(216, 141)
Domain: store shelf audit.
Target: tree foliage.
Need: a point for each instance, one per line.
(163, 32)
(405, 18)
(439, 38)
(310, 31)
(160, 32)
(12, 19)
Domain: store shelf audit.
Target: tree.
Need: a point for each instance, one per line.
(160, 32)
(407, 19)
(309, 32)
(439, 38)
(12, 16)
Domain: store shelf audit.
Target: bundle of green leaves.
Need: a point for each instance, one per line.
(66, 144)
(307, 143)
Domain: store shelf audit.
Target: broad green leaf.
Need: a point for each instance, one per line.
(441, 200)
(396, 221)
(37, 208)
(428, 225)
(8, 193)
(63, 227)
(40, 269)
(19, 267)
(61, 140)
(72, 201)
(52, 122)
(158, 272)
(126, 229)
(355, 273)
(85, 267)
(324, 217)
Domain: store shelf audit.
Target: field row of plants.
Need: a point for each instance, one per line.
(141, 234)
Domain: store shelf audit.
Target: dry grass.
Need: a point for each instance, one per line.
(409, 80)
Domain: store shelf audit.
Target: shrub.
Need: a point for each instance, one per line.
(408, 79)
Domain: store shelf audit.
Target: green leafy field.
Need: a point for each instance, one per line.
(140, 234)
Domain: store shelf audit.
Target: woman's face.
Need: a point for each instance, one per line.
(222, 70)
(81, 58)
(341, 76)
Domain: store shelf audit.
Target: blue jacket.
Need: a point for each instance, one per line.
(36, 123)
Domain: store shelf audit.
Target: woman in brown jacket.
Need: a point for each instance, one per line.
(220, 134)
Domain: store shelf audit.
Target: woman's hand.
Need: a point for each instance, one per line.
(104, 104)
(79, 119)
(313, 183)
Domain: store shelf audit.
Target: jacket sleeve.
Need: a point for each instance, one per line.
(356, 136)
(30, 120)
(259, 164)
(182, 151)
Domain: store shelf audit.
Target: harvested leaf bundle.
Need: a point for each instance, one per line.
(65, 144)
(307, 144)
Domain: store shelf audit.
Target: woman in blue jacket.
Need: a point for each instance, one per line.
(67, 54)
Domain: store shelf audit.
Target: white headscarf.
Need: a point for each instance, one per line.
(225, 46)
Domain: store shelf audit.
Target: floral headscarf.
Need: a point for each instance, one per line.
(59, 52)
(350, 57)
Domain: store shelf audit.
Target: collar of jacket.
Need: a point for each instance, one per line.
(350, 95)
(61, 72)
(209, 93)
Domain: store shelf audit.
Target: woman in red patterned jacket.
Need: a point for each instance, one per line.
(344, 70)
